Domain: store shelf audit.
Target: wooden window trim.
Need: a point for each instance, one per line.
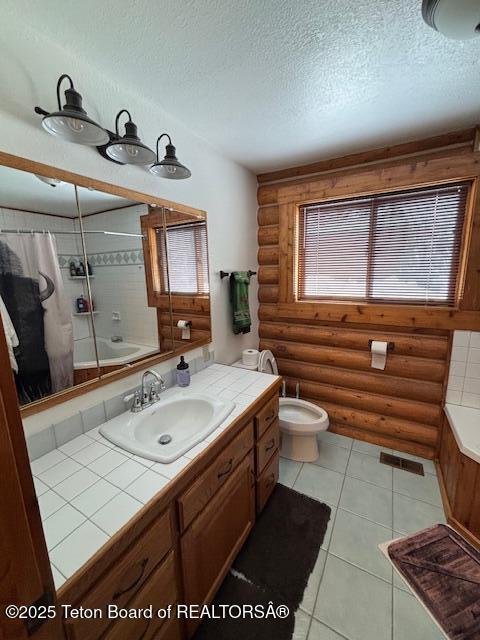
(455, 283)
(464, 315)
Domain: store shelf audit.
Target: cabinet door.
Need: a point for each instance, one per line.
(212, 542)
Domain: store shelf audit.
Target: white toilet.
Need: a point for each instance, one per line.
(300, 420)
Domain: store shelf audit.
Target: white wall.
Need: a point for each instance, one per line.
(31, 65)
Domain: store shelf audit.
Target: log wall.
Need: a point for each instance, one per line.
(325, 348)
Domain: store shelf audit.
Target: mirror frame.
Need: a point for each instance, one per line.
(31, 166)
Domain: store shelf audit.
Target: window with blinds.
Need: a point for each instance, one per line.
(186, 247)
(400, 247)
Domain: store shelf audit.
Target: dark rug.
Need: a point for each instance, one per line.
(443, 569)
(274, 566)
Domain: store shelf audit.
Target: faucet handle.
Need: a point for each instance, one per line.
(137, 402)
(153, 396)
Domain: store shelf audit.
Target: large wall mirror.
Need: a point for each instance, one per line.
(94, 281)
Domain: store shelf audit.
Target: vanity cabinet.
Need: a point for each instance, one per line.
(212, 542)
(181, 545)
(460, 481)
(125, 579)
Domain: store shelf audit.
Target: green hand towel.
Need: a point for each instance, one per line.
(241, 321)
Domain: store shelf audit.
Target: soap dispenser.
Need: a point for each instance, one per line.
(183, 373)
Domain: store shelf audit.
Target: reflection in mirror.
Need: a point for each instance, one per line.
(126, 328)
(43, 287)
(179, 253)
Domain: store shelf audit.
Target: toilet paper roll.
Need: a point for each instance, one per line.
(379, 354)
(184, 325)
(250, 357)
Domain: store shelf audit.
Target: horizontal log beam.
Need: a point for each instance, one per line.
(268, 215)
(268, 256)
(420, 346)
(268, 235)
(374, 155)
(268, 293)
(389, 442)
(402, 316)
(385, 405)
(198, 322)
(267, 275)
(398, 387)
(432, 168)
(382, 425)
(404, 366)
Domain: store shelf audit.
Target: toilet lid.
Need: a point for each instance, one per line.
(267, 363)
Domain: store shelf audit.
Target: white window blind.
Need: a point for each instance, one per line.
(400, 247)
(187, 258)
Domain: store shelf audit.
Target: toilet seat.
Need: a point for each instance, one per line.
(267, 363)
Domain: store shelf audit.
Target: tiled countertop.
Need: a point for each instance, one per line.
(465, 423)
(88, 488)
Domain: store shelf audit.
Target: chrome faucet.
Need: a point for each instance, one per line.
(146, 398)
(152, 395)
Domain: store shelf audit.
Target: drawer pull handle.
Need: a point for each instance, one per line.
(227, 469)
(270, 417)
(270, 445)
(142, 567)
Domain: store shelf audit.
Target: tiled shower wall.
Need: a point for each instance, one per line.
(464, 378)
(119, 284)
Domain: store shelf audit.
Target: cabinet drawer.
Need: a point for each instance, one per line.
(210, 545)
(266, 416)
(267, 445)
(204, 488)
(124, 579)
(267, 481)
(160, 591)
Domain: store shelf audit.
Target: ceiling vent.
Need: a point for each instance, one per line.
(456, 19)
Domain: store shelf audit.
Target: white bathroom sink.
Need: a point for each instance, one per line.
(170, 427)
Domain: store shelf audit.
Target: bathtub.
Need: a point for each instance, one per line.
(110, 354)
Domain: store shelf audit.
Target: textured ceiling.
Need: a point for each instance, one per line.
(273, 83)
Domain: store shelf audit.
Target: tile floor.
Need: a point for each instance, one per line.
(353, 593)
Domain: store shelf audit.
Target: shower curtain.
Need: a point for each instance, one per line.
(31, 287)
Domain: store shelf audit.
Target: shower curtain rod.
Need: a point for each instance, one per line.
(73, 233)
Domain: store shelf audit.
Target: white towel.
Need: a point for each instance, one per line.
(10, 334)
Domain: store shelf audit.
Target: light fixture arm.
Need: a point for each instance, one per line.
(118, 118)
(60, 80)
(158, 141)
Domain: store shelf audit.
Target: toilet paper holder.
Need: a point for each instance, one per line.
(390, 345)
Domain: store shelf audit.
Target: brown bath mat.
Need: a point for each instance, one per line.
(443, 569)
(274, 565)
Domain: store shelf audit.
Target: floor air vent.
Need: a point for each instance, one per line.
(401, 463)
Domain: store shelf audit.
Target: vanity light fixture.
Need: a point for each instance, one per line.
(71, 122)
(169, 167)
(128, 149)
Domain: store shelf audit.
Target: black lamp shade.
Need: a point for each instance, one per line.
(170, 167)
(129, 149)
(72, 123)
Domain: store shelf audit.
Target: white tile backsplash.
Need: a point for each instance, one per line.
(464, 378)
